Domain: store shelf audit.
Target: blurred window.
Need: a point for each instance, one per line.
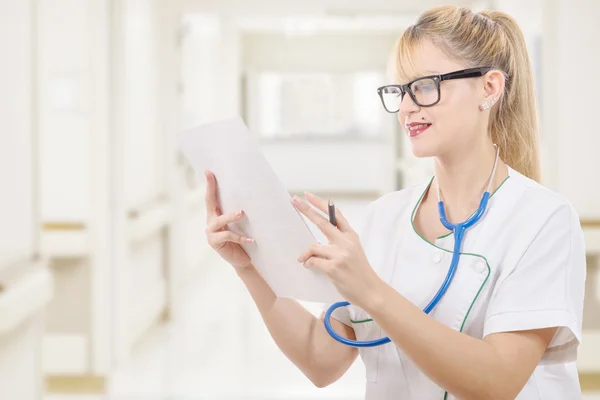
(317, 104)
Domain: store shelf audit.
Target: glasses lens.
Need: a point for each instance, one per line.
(425, 91)
(392, 97)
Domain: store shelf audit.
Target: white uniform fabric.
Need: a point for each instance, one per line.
(522, 267)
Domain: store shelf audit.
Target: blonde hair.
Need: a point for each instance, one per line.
(494, 39)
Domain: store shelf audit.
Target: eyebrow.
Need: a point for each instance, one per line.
(426, 72)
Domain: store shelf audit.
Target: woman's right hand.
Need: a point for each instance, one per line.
(220, 238)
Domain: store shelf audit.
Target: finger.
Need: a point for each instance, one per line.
(218, 223)
(212, 198)
(218, 239)
(318, 264)
(323, 205)
(317, 250)
(321, 222)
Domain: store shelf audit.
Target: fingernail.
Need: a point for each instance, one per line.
(240, 213)
(249, 240)
(299, 203)
(307, 194)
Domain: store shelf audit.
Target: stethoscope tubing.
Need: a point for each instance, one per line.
(459, 231)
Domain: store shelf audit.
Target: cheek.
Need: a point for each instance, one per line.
(457, 104)
(456, 121)
(448, 123)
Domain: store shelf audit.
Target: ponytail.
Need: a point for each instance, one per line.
(514, 124)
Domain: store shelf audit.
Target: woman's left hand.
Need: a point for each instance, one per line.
(343, 259)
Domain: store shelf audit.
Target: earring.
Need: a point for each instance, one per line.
(487, 105)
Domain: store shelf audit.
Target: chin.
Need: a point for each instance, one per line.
(425, 144)
(423, 150)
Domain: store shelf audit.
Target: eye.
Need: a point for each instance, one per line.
(424, 86)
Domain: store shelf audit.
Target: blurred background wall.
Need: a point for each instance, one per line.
(107, 287)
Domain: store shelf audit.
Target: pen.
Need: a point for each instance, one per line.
(332, 213)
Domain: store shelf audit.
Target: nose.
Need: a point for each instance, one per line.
(407, 106)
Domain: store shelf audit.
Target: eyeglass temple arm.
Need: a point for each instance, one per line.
(464, 74)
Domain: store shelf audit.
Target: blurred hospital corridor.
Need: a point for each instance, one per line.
(211, 352)
(108, 287)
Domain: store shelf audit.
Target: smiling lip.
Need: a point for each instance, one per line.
(416, 128)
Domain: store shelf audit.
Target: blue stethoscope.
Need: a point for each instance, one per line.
(459, 231)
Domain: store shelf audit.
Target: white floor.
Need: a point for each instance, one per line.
(219, 349)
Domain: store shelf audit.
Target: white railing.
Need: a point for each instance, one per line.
(24, 290)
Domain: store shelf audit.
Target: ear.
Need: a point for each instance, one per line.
(493, 88)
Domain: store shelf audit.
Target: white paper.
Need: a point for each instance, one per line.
(247, 182)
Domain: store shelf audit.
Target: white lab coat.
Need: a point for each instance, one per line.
(522, 267)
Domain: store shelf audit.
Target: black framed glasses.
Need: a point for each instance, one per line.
(425, 91)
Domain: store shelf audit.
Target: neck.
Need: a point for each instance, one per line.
(463, 177)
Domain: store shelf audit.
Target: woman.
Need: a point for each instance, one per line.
(510, 323)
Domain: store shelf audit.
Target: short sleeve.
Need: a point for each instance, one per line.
(545, 288)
